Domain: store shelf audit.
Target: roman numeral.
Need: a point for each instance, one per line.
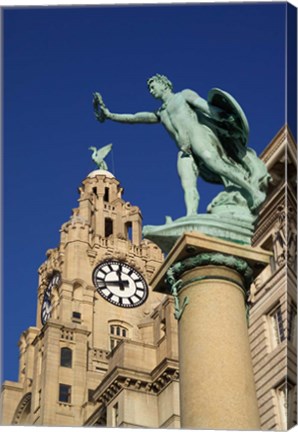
(106, 269)
(137, 280)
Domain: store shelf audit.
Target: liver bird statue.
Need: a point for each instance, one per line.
(99, 155)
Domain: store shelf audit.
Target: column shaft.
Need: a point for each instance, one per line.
(216, 376)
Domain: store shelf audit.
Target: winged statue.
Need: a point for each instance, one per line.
(98, 155)
(212, 138)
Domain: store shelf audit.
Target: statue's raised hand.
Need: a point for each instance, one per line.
(100, 110)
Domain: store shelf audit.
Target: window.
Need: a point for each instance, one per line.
(64, 393)
(90, 395)
(117, 333)
(286, 407)
(276, 326)
(108, 227)
(106, 196)
(94, 190)
(76, 317)
(115, 415)
(163, 327)
(292, 324)
(66, 357)
(128, 228)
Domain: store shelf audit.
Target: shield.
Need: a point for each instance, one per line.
(233, 115)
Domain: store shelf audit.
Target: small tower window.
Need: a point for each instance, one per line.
(64, 393)
(117, 333)
(106, 196)
(108, 227)
(76, 317)
(94, 190)
(128, 228)
(66, 357)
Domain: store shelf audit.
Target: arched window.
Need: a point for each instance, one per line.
(66, 357)
(117, 333)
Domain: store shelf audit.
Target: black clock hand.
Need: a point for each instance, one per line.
(121, 284)
(117, 282)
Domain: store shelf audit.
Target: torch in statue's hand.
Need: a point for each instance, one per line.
(100, 110)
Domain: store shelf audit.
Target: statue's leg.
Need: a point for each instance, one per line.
(206, 147)
(188, 174)
(230, 171)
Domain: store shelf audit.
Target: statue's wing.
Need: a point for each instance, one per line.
(236, 121)
(228, 122)
(104, 151)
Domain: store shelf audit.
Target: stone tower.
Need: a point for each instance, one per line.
(66, 355)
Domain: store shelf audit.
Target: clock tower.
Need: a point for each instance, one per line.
(96, 313)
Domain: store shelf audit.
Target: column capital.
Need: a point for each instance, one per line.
(210, 258)
(195, 249)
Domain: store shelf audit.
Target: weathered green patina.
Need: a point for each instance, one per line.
(212, 140)
(175, 287)
(99, 155)
(210, 258)
(227, 227)
(204, 259)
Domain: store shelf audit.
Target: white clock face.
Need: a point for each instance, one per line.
(120, 284)
(46, 307)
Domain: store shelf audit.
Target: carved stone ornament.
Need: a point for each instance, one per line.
(209, 258)
(285, 237)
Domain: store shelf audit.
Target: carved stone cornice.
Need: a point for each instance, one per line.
(132, 380)
(274, 146)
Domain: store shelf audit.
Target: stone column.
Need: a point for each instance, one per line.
(209, 279)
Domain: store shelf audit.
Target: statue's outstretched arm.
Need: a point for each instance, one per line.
(140, 117)
(102, 113)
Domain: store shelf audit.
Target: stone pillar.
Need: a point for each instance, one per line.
(209, 278)
(216, 377)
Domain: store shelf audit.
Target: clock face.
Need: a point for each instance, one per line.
(46, 307)
(120, 284)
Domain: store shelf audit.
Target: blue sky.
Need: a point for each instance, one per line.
(55, 58)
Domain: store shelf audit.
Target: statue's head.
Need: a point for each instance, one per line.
(162, 79)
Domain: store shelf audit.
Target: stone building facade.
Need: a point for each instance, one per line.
(273, 320)
(100, 358)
